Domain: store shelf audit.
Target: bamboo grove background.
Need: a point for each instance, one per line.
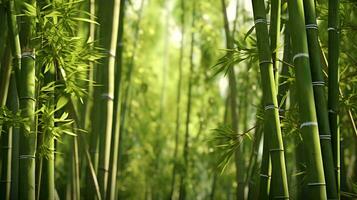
(175, 99)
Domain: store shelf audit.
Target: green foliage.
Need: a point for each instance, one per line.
(245, 51)
(9, 118)
(147, 141)
(226, 142)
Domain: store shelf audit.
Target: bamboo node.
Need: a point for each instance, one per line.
(28, 54)
(308, 124)
(316, 184)
(325, 137)
(107, 96)
(332, 29)
(27, 156)
(281, 197)
(257, 21)
(111, 54)
(265, 61)
(103, 169)
(332, 111)
(318, 83)
(299, 55)
(264, 175)
(269, 107)
(7, 147)
(272, 150)
(28, 98)
(5, 181)
(311, 26)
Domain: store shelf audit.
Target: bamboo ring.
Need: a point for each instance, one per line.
(308, 124)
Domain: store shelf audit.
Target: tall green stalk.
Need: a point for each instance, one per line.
(265, 169)
(5, 76)
(252, 177)
(232, 82)
(6, 145)
(284, 77)
(274, 33)
(178, 100)
(93, 137)
(14, 106)
(47, 180)
(27, 102)
(108, 40)
(127, 87)
(333, 82)
(316, 188)
(117, 99)
(185, 173)
(319, 94)
(14, 39)
(3, 24)
(271, 114)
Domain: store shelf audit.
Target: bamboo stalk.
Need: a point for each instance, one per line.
(5, 76)
(252, 178)
(232, 82)
(6, 146)
(3, 24)
(271, 114)
(178, 99)
(76, 175)
(283, 88)
(113, 169)
(316, 188)
(319, 94)
(186, 150)
(274, 33)
(333, 83)
(47, 186)
(266, 168)
(93, 137)
(27, 103)
(14, 43)
(127, 87)
(108, 40)
(14, 106)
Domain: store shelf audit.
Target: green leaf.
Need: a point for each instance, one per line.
(85, 20)
(62, 101)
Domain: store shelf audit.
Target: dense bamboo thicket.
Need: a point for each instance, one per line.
(175, 99)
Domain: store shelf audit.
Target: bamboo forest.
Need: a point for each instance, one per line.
(178, 99)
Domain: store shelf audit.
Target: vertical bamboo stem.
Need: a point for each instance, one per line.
(27, 101)
(178, 99)
(271, 114)
(316, 188)
(333, 83)
(113, 169)
(274, 33)
(184, 176)
(319, 94)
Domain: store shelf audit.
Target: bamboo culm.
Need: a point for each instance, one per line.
(316, 188)
(319, 94)
(27, 102)
(271, 114)
(118, 12)
(333, 82)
